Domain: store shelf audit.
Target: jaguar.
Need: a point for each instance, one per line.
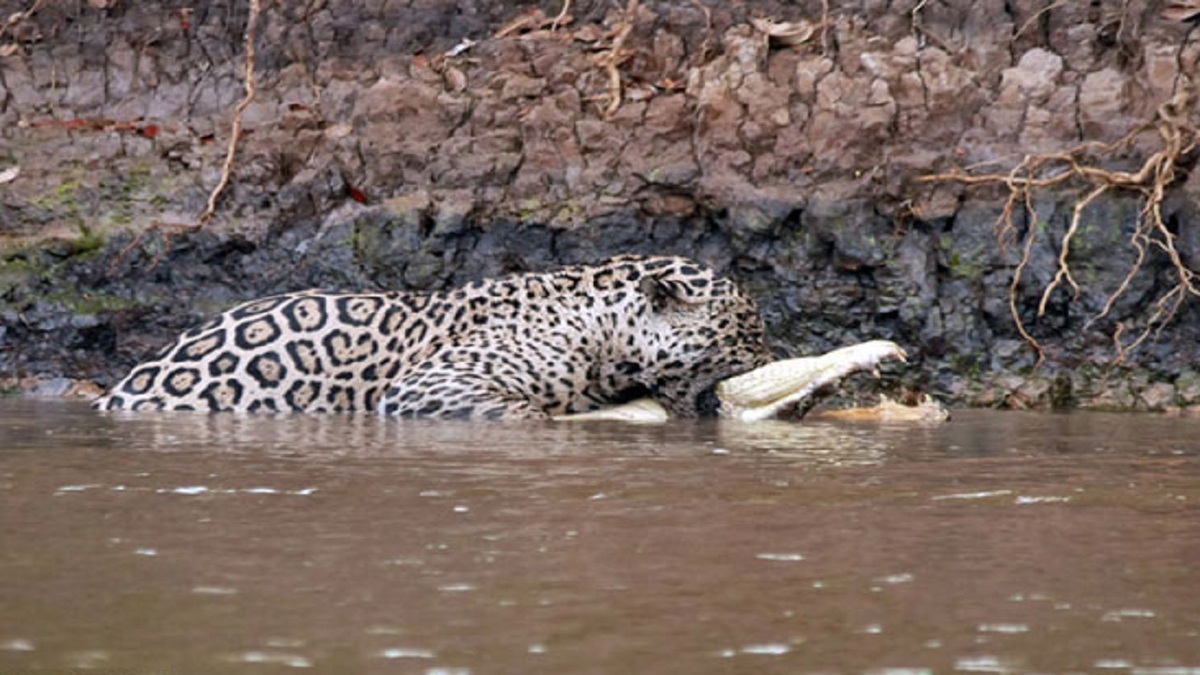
(532, 345)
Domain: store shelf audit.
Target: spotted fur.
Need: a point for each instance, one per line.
(529, 345)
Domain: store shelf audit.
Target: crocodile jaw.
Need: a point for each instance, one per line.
(763, 392)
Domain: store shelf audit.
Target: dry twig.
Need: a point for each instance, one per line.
(1036, 17)
(824, 27)
(915, 20)
(615, 92)
(17, 17)
(11, 23)
(530, 22)
(561, 19)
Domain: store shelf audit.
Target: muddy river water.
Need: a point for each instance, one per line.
(998, 542)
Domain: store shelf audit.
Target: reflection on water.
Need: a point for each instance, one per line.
(999, 542)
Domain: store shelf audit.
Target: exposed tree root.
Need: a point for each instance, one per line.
(170, 230)
(1178, 138)
(235, 127)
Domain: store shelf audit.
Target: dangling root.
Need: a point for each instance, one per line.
(1179, 137)
(169, 230)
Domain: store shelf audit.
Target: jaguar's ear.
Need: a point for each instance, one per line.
(677, 286)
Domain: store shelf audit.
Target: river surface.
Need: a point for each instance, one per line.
(998, 542)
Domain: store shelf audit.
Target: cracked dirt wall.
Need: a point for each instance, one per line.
(405, 144)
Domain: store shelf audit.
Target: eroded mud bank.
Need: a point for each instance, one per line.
(405, 145)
